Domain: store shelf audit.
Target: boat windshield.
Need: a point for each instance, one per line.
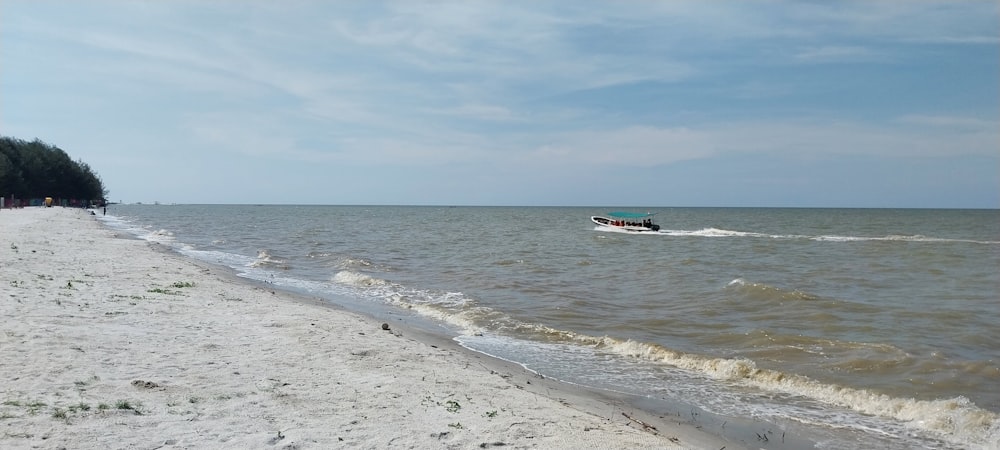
(630, 215)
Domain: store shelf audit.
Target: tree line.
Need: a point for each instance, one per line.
(36, 170)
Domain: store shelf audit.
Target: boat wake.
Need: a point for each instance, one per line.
(722, 233)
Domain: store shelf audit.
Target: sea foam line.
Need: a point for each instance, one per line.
(956, 419)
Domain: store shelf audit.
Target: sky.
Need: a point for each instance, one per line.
(576, 103)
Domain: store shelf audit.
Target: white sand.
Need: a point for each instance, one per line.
(105, 343)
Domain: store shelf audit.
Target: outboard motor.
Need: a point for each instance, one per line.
(655, 227)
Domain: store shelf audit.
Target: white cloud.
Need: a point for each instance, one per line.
(957, 40)
(493, 113)
(960, 122)
(808, 139)
(838, 54)
(636, 146)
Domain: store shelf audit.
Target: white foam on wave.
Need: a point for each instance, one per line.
(465, 321)
(231, 260)
(113, 221)
(126, 225)
(453, 308)
(956, 419)
(357, 279)
(162, 236)
(396, 293)
(266, 259)
(354, 262)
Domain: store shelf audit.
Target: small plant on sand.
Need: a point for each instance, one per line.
(7, 415)
(452, 406)
(163, 291)
(79, 407)
(119, 297)
(456, 425)
(491, 414)
(182, 284)
(33, 407)
(103, 406)
(59, 413)
(125, 405)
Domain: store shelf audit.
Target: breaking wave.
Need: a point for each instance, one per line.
(957, 419)
(265, 260)
(357, 279)
(162, 236)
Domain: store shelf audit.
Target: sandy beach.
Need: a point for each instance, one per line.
(110, 342)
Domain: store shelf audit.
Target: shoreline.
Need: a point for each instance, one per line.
(115, 342)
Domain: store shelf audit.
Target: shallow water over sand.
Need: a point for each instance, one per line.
(858, 327)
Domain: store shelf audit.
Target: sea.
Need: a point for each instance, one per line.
(845, 328)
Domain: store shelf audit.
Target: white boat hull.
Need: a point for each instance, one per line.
(621, 225)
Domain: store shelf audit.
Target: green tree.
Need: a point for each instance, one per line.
(36, 169)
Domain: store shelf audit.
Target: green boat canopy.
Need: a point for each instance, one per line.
(630, 215)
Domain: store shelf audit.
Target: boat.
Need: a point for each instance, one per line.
(627, 221)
